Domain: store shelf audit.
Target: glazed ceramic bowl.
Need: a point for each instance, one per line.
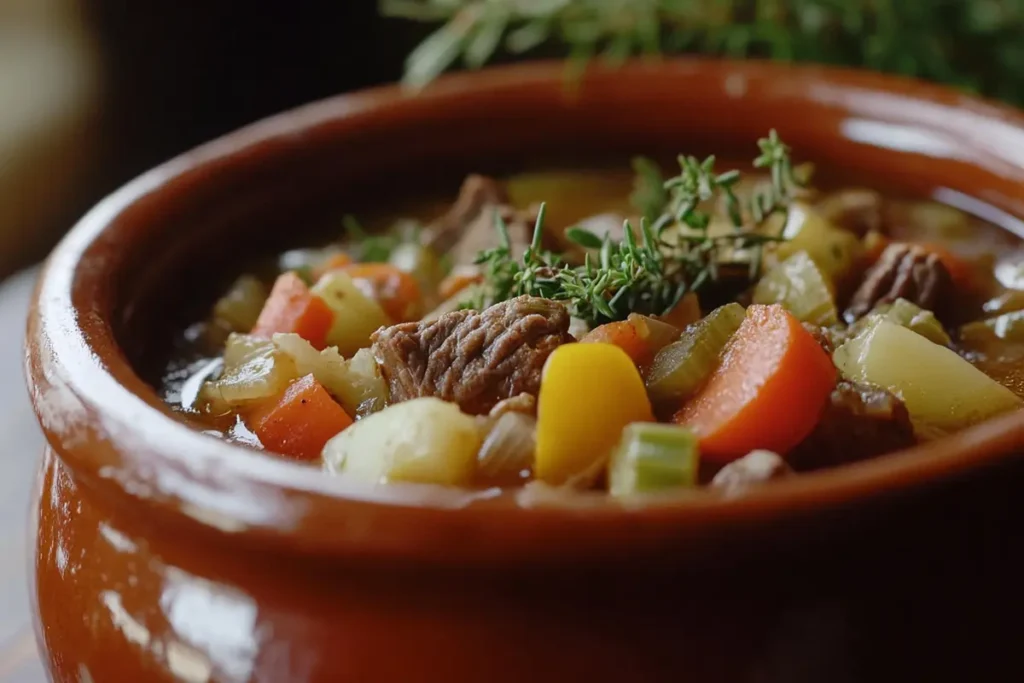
(166, 554)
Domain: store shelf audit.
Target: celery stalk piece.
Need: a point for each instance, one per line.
(799, 285)
(680, 368)
(652, 457)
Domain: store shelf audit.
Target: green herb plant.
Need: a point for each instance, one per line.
(651, 274)
(973, 44)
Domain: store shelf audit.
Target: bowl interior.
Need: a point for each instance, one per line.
(152, 256)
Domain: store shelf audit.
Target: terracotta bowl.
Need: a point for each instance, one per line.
(165, 554)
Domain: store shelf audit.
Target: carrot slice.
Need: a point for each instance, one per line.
(624, 335)
(291, 307)
(686, 312)
(768, 392)
(456, 282)
(300, 421)
(396, 291)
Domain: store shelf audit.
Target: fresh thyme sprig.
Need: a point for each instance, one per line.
(652, 275)
(973, 44)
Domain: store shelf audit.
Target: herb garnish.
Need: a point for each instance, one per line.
(675, 253)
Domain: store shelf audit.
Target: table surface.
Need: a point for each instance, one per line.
(19, 661)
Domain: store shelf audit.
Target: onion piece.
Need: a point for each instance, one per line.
(507, 453)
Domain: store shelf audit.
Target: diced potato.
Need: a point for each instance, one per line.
(942, 391)
(424, 440)
(836, 251)
(254, 370)
(356, 316)
(911, 316)
(239, 309)
(799, 285)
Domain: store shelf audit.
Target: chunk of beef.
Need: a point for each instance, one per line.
(469, 225)
(903, 270)
(752, 469)
(483, 233)
(475, 359)
(860, 421)
(477, 194)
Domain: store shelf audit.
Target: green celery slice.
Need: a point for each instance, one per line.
(653, 457)
(680, 368)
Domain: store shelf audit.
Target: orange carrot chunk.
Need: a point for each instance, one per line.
(291, 307)
(300, 421)
(768, 392)
(456, 282)
(395, 290)
(624, 335)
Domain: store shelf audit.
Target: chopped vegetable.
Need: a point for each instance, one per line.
(624, 335)
(421, 262)
(424, 440)
(767, 393)
(366, 390)
(254, 370)
(1008, 326)
(911, 316)
(834, 250)
(506, 456)
(684, 313)
(942, 391)
(239, 309)
(304, 262)
(588, 394)
(356, 383)
(356, 316)
(798, 284)
(300, 421)
(652, 456)
(336, 261)
(396, 291)
(291, 307)
(681, 368)
(657, 333)
(458, 280)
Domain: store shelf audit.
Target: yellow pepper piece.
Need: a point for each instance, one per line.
(588, 394)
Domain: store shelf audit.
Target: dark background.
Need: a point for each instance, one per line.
(181, 73)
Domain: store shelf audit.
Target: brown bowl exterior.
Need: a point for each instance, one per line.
(165, 554)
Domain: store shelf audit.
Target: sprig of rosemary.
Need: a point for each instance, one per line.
(972, 44)
(652, 275)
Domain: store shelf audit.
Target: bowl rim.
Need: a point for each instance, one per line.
(101, 418)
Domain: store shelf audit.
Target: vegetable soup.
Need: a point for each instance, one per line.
(630, 332)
